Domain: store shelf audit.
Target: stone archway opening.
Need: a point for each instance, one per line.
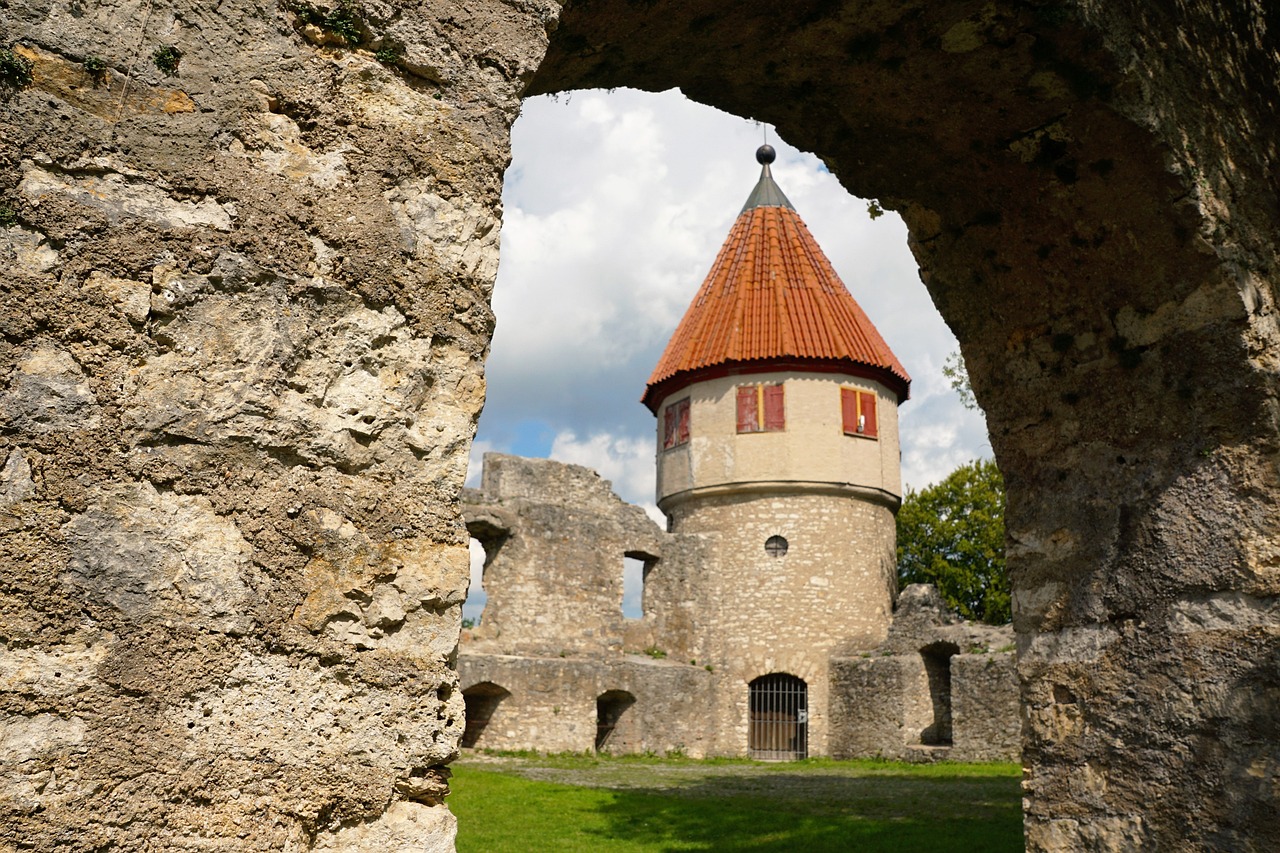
(778, 717)
(1078, 192)
(482, 701)
(646, 186)
(611, 732)
(246, 329)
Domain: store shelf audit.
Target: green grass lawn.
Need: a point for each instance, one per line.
(585, 803)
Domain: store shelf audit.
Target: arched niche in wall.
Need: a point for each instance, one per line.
(482, 701)
(937, 668)
(611, 707)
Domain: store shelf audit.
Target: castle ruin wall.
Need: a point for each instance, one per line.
(552, 706)
(555, 536)
(551, 675)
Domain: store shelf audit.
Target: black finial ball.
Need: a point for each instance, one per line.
(766, 155)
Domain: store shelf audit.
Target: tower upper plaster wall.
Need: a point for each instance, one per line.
(812, 449)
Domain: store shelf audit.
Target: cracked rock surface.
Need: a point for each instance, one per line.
(245, 307)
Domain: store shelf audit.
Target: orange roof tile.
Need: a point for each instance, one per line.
(772, 300)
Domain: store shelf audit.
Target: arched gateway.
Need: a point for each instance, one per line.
(778, 726)
(245, 313)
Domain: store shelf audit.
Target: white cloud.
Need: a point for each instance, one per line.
(476, 597)
(626, 462)
(475, 461)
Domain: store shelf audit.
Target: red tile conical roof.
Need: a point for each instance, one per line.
(772, 301)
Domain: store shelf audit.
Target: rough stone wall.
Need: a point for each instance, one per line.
(552, 633)
(984, 706)
(555, 536)
(830, 593)
(245, 304)
(881, 702)
(549, 638)
(552, 707)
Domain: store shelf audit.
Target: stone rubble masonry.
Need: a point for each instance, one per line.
(552, 706)
(829, 495)
(1090, 193)
(552, 637)
(881, 701)
(555, 537)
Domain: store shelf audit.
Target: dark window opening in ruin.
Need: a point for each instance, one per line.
(761, 408)
(778, 725)
(776, 546)
(482, 701)
(937, 668)
(858, 412)
(610, 706)
(473, 607)
(635, 572)
(675, 424)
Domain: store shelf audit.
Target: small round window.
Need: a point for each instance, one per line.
(775, 546)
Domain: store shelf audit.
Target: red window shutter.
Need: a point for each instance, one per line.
(849, 410)
(748, 417)
(675, 424)
(775, 416)
(867, 405)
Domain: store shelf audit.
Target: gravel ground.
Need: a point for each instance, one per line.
(825, 782)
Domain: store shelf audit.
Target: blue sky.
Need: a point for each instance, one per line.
(615, 206)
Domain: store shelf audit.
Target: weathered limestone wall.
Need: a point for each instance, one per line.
(245, 305)
(552, 639)
(831, 593)
(984, 706)
(211, 280)
(555, 538)
(552, 633)
(552, 707)
(882, 704)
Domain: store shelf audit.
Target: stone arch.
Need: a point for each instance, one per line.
(223, 368)
(778, 717)
(1089, 223)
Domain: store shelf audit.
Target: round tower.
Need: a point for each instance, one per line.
(777, 406)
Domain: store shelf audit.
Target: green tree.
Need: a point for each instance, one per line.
(957, 374)
(952, 536)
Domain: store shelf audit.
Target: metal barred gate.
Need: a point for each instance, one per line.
(778, 727)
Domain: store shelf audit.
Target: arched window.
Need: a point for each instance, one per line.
(482, 702)
(778, 727)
